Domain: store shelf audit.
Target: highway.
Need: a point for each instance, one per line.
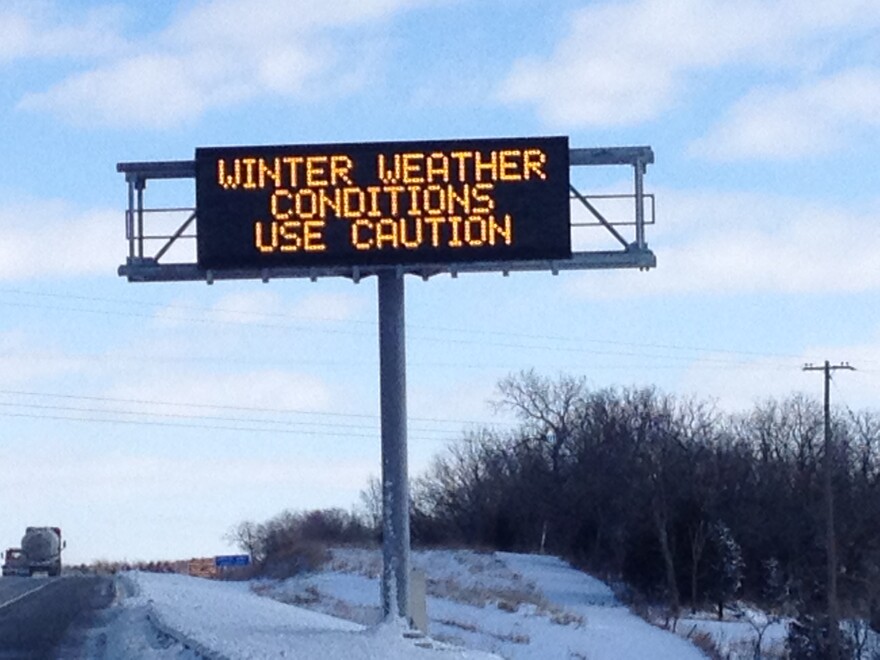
(36, 613)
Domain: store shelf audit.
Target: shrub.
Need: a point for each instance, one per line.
(293, 559)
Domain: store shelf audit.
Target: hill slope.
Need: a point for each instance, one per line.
(479, 605)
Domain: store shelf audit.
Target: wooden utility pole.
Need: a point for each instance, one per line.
(830, 537)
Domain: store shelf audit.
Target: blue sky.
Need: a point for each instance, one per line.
(146, 419)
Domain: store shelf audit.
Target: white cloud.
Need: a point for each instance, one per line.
(263, 307)
(53, 239)
(625, 62)
(745, 243)
(151, 90)
(270, 307)
(731, 379)
(266, 388)
(23, 362)
(247, 307)
(131, 476)
(811, 119)
(37, 29)
(328, 306)
(126, 503)
(221, 53)
(245, 25)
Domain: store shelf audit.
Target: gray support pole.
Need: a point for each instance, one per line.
(638, 184)
(129, 220)
(140, 184)
(395, 480)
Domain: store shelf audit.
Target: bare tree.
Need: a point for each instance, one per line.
(248, 536)
(371, 504)
(547, 407)
(698, 536)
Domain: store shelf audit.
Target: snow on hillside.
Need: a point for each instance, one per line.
(514, 606)
(521, 607)
(194, 617)
(736, 636)
(480, 606)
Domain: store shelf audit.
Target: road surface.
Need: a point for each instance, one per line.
(36, 613)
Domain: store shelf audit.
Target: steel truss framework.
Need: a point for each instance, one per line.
(142, 267)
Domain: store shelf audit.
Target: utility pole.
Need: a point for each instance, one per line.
(830, 538)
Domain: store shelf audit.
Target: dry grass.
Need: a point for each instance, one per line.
(505, 599)
(563, 618)
(704, 642)
(368, 564)
(513, 638)
(482, 595)
(510, 597)
(308, 597)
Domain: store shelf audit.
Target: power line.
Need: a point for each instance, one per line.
(230, 407)
(140, 418)
(371, 326)
(202, 427)
(702, 362)
(212, 418)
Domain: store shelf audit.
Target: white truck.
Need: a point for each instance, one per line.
(40, 553)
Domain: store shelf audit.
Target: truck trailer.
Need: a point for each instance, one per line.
(40, 552)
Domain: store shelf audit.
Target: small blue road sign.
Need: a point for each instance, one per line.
(231, 560)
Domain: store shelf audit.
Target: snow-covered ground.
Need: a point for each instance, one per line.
(480, 605)
(740, 632)
(520, 607)
(162, 616)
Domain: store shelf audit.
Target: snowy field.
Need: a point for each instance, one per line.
(480, 605)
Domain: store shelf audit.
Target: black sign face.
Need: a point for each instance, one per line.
(383, 203)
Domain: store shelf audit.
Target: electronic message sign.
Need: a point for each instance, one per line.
(383, 203)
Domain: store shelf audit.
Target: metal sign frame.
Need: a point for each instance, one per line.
(143, 267)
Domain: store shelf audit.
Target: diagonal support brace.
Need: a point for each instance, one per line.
(592, 209)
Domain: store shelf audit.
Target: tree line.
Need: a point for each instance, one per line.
(679, 501)
(673, 497)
